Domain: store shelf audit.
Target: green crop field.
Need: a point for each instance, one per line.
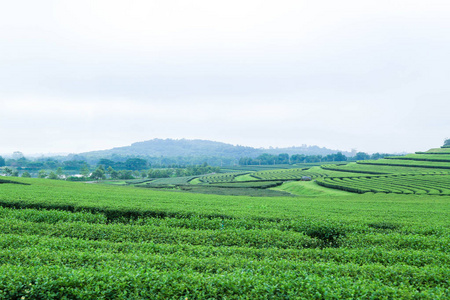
(420, 173)
(169, 181)
(255, 168)
(366, 230)
(401, 184)
(369, 169)
(443, 150)
(69, 240)
(423, 157)
(221, 177)
(407, 163)
(296, 174)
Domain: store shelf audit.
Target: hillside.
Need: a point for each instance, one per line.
(184, 147)
(420, 173)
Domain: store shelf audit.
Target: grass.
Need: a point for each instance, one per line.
(195, 181)
(308, 188)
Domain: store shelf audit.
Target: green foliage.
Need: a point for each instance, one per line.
(68, 240)
(225, 177)
(408, 163)
(442, 150)
(7, 171)
(248, 191)
(171, 181)
(26, 174)
(42, 174)
(52, 175)
(294, 174)
(284, 158)
(361, 156)
(10, 181)
(259, 184)
(384, 225)
(368, 169)
(85, 170)
(98, 174)
(59, 172)
(77, 178)
(2, 162)
(438, 184)
(328, 234)
(136, 164)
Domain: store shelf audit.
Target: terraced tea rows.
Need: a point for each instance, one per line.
(442, 150)
(407, 163)
(221, 177)
(296, 174)
(432, 184)
(423, 157)
(63, 240)
(248, 184)
(362, 168)
(170, 181)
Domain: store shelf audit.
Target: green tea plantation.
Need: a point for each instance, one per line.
(68, 240)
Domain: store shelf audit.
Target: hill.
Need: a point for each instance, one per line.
(184, 147)
(420, 173)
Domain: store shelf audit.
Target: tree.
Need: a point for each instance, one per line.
(2, 162)
(98, 174)
(362, 156)
(136, 164)
(297, 158)
(70, 165)
(42, 174)
(52, 175)
(245, 161)
(446, 142)
(283, 158)
(106, 163)
(7, 171)
(59, 172)
(85, 170)
(114, 174)
(110, 171)
(15, 173)
(26, 174)
(340, 157)
(126, 174)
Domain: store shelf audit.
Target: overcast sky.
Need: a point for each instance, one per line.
(87, 75)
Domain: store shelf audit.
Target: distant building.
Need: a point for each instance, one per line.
(306, 178)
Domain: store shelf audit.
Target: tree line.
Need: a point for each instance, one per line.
(284, 158)
(133, 167)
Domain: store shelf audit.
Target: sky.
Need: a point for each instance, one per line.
(81, 75)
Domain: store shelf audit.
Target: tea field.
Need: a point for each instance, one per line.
(69, 240)
(420, 173)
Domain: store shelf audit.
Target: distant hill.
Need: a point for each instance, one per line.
(185, 148)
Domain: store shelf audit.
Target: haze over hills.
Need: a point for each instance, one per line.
(184, 147)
